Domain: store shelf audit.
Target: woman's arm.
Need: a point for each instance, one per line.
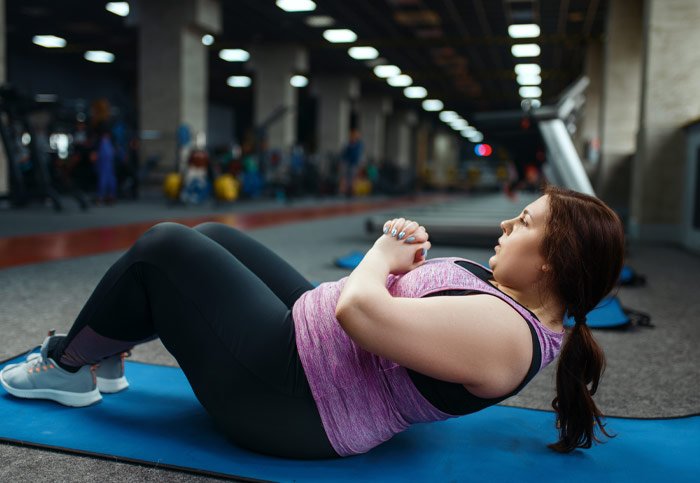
(478, 341)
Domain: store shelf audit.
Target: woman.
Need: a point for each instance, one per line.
(295, 371)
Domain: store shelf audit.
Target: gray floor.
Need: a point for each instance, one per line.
(650, 372)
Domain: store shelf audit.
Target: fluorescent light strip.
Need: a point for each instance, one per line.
(299, 81)
(529, 80)
(363, 53)
(234, 55)
(415, 92)
(448, 116)
(339, 36)
(433, 105)
(459, 124)
(524, 31)
(527, 69)
(99, 56)
(530, 91)
(49, 41)
(401, 80)
(118, 8)
(385, 71)
(525, 50)
(239, 81)
(319, 21)
(296, 5)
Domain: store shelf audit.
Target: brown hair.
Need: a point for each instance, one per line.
(584, 247)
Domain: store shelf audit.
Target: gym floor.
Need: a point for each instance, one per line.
(51, 262)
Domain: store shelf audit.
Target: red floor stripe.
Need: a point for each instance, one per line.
(24, 250)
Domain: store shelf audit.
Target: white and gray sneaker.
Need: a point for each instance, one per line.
(110, 372)
(39, 377)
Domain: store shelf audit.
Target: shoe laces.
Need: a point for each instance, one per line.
(36, 363)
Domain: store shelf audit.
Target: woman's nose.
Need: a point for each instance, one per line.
(504, 226)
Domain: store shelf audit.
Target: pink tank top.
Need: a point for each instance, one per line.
(364, 399)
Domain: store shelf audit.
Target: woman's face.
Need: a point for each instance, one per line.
(518, 262)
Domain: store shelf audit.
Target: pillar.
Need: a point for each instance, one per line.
(587, 138)
(671, 76)
(334, 97)
(622, 73)
(4, 175)
(275, 99)
(173, 72)
(445, 156)
(424, 137)
(400, 145)
(372, 124)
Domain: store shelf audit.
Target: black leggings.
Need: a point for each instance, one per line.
(221, 304)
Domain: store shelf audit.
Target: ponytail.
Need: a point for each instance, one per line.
(581, 363)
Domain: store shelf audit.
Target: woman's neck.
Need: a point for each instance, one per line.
(546, 307)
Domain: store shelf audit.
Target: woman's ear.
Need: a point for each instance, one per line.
(545, 268)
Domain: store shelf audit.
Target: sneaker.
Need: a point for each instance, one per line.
(110, 372)
(40, 377)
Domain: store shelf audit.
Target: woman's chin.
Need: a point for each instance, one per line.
(492, 262)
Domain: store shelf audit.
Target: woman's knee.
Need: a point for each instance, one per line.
(159, 239)
(213, 229)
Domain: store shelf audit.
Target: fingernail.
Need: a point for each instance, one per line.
(402, 234)
(386, 229)
(410, 239)
(425, 252)
(393, 232)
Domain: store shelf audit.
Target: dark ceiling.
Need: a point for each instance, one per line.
(458, 49)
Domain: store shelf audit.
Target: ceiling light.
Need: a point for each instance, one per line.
(476, 137)
(319, 21)
(207, 39)
(239, 81)
(448, 116)
(401, 80)
(363, 53)
(384, 71)
(433, 105)
(99, 56)
(530, 103)
(530, 91)
(339, 36)
(525, 50)
(234, 55)
(49, 41)
(529, 80)
(459, 124)
(118, 8)
(299, 81)
(415, 92)
(527, 69)
(524, 31)
(296, 5)
(468, 131)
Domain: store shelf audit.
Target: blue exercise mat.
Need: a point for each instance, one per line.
(607, 314)
(158, 421)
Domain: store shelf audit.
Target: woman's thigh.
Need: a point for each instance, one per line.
(283, 279)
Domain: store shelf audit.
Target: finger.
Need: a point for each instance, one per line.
(407, 230)
(395, 227)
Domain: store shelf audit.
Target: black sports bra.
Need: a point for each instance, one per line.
(453, 398)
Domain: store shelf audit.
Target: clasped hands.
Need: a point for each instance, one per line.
(404, 245)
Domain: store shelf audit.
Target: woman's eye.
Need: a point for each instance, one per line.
(522, 220)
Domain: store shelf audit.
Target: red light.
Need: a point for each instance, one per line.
(483, 150)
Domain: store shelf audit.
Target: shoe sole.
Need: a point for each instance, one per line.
(72, 399)
(110, 386)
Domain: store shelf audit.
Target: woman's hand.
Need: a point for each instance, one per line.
(403, 245)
